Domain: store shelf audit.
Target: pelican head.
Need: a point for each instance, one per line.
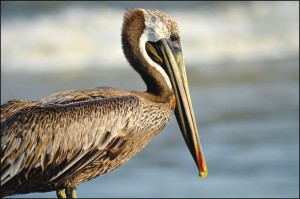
(152, 45)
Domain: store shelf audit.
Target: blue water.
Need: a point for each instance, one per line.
(247, 110)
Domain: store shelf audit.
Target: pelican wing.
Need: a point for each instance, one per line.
(13, 106)
(64, 135)
(73, 96)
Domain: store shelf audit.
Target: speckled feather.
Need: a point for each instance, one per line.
(70, 139)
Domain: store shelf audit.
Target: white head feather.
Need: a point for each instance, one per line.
(158, 26)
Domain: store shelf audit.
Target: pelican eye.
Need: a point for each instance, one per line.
(174, 38)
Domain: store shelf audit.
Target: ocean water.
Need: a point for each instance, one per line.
(243, 70)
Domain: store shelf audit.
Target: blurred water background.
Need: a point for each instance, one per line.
(242, 62)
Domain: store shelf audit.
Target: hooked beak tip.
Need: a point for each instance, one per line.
(203, 174)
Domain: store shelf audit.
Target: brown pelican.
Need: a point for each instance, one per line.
(71, 137)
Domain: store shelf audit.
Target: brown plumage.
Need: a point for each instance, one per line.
(107, 124)
(71, 137)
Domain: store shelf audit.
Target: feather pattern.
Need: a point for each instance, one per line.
(71, 133)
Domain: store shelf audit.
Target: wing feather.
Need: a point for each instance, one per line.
(58, 134)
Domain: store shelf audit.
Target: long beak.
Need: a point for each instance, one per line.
(174, 65)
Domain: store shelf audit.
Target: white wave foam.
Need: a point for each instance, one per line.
(79, 37)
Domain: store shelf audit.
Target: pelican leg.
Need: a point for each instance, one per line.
(61, 193)
(71, 192)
